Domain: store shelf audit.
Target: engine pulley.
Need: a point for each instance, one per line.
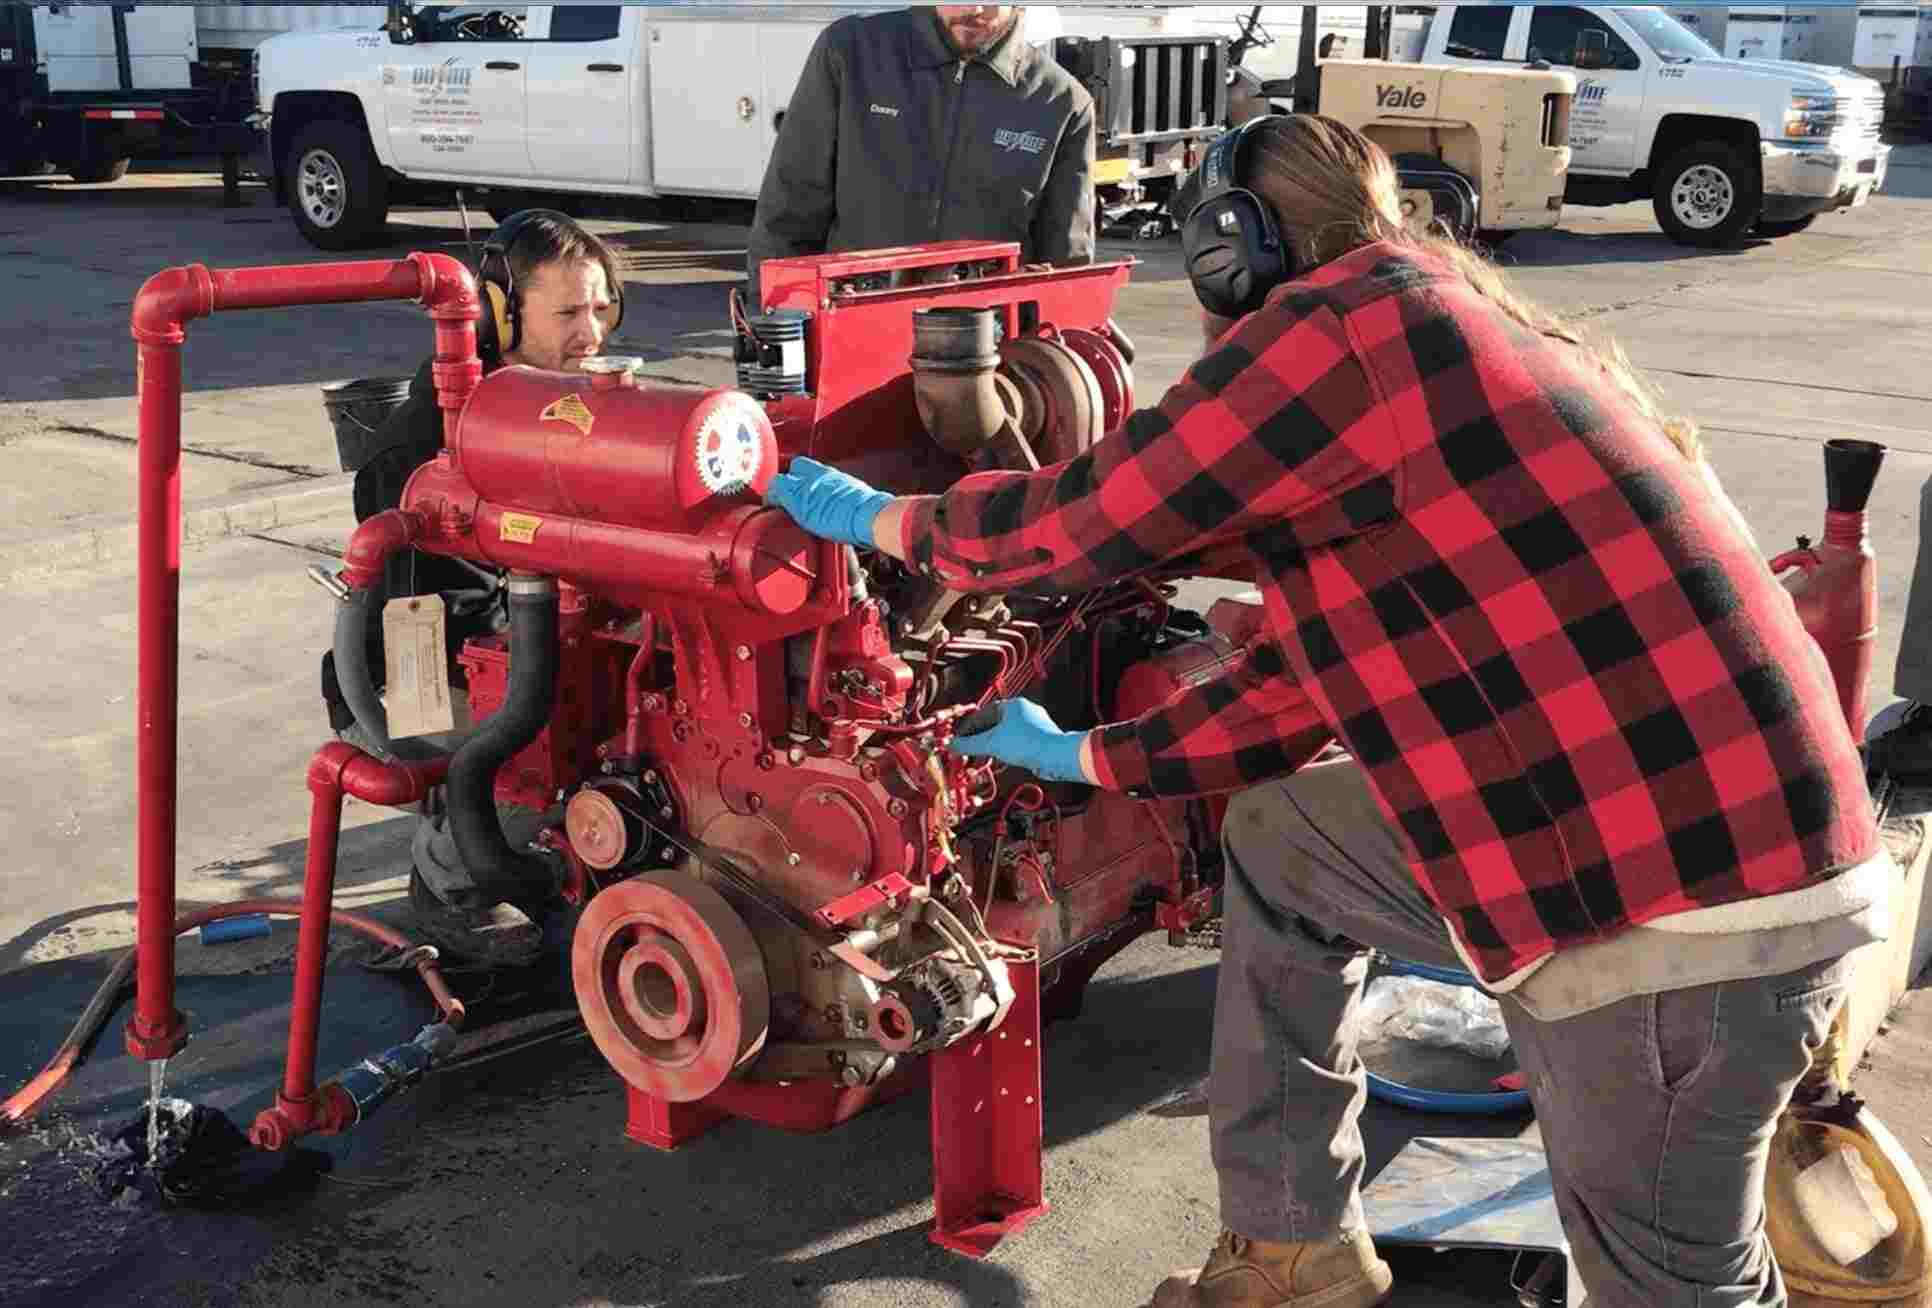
(671, 985)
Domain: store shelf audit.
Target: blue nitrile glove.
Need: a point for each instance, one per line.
(827, 502)
(1026, 737)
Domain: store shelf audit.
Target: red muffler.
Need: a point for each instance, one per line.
(1835, 586)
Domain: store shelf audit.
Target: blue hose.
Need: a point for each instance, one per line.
(1447, 1101)
(1492, 1102)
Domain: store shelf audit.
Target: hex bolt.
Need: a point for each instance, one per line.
(607, 767)
(603, 751)
(792, 859)
(754, 802)
(896, 807)
(795, 755)
(666, 813)
(650, 777)
(743, 653)
(744, 719)
(667, 853)
(869, 771)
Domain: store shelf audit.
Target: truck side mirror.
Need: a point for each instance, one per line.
(1592, 50)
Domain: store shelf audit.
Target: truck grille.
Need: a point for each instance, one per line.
(1152, 88)
(1861, 114)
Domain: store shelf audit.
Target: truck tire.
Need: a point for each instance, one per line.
(1707, 194)
(337, 193)
(94, 169)
(1789, 227)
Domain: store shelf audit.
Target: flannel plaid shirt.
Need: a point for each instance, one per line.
(1576, 690)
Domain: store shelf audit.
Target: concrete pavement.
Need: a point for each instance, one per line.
(515, 1190)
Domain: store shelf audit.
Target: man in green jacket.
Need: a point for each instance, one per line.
(930, 124)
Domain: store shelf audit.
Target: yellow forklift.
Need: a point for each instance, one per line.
(1482, 152)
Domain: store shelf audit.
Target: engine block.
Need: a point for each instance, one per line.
(795, 900)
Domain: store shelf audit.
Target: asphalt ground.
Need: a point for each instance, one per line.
(507, 1181)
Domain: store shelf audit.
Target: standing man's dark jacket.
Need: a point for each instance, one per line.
(893, 139)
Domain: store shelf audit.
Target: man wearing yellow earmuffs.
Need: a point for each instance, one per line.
(552, 295)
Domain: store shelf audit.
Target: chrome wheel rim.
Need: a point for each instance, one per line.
(1702, 197)
(321, 189)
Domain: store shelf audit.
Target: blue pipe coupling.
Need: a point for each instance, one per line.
(377, 1079)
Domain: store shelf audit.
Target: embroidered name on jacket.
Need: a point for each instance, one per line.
(1006, 138)
(889, 111)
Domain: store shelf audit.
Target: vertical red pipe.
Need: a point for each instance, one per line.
(157, 1026)
(163, 307)
(312, 940)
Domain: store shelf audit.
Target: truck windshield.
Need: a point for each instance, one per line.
(1669, 38)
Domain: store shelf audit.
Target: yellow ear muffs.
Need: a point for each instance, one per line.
(502, 316)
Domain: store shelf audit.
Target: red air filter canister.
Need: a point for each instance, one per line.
(606, 450)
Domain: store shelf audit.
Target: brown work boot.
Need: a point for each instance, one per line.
(1244, 1273)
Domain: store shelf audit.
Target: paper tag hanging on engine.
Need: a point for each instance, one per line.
(416, 666)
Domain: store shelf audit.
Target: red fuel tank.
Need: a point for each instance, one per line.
(1835, 585)
(602, 448)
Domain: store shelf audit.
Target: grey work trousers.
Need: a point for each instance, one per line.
(1656, 1111)
(1912, 675)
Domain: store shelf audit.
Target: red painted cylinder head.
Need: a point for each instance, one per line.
(603, 449)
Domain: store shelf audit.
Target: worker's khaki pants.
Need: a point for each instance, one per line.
(1656, 1111)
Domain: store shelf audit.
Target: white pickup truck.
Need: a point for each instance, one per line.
(1721, 147)
(522, 102)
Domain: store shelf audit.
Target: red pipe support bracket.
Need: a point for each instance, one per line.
(166, 303)
(987, 1136)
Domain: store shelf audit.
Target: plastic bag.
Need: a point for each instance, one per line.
(1434, 1013)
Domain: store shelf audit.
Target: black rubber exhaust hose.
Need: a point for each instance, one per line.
(498, 869)
(358, 686)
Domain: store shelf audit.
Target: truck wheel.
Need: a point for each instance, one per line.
(1790, 227)
(98, 169)
(336, 190)
(1707, 194)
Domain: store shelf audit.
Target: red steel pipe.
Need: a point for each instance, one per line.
(167, 302)
(337, 769)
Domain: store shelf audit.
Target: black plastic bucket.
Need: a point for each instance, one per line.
(357, 411)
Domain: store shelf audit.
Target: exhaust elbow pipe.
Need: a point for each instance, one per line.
(961, 400)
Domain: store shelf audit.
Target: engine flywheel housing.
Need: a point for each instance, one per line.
(671, 985)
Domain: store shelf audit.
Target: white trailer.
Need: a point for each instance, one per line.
(1891, 40)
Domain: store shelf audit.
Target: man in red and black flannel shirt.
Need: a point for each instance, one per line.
(1601, 764)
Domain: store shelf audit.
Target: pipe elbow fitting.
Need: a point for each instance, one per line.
(172, 297)
(373, 541)
(447, 288)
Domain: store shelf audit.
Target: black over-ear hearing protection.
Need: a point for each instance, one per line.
(1234, 253)
(501, 328)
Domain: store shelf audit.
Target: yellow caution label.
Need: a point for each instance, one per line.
(1111, 172)
(571, 409)
(519, 528)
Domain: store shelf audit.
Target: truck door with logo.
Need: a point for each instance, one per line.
(455, 98)
(1609, 102)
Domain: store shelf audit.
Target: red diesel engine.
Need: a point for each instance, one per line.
(795, 900)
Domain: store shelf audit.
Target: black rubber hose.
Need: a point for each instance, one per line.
(358, 686)
(498, 869)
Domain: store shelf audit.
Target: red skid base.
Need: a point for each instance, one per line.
(803, 1107)
(986, 1126)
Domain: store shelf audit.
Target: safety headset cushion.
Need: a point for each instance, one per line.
(1234, 254)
